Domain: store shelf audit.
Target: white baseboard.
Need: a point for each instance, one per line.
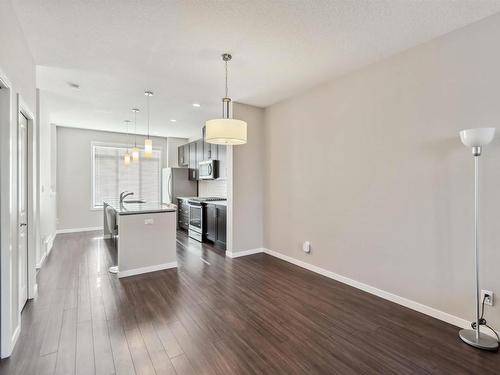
(50, 243)
(75, 230)
(243, 253)
(15, 336)
(139, 271)
(424, 309)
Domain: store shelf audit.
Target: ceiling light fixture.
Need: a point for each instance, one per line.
(196, 105)
(148, 143)
(226, 130)
(135, 149)
(173, 120)
(126, 157)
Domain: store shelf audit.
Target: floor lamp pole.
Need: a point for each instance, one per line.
(476, 154)
(476, 138)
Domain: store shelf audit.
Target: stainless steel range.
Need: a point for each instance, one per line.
(196, 216)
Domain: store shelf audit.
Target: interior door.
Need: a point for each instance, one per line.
(23, 210)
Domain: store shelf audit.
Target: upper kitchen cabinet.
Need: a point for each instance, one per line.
(192, 155)
(199, 151)
(183, 155)
(193, 165)
(210, 151)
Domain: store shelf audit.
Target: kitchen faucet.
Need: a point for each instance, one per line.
(125, 194)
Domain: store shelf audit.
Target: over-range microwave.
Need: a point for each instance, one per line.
(208, 170)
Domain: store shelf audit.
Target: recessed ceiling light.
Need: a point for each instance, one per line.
(173, 120)
(197, 105)
(74, 85)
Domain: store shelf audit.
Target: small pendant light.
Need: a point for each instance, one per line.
(135, 150)
(126, 157)
(226, 130)
(148, 143)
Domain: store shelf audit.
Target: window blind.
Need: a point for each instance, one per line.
(111, 176)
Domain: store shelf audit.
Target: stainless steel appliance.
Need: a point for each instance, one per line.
(196, 216)
(208, 170)
(175, 183)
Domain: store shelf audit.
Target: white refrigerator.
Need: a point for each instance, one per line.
(175, 183)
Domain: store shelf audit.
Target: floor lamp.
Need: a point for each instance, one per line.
(476, 139)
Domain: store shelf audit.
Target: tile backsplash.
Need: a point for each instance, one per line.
(212, 188)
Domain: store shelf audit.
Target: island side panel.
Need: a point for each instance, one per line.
(146, 243)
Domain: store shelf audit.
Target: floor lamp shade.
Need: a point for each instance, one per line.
(476, 139)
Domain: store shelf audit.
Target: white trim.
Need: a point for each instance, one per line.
(424, 309)
(237, 254)
(139, 271)
(6, 216)
(75, 230)
(16, 334)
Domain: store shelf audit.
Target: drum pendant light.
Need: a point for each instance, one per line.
(135, 149)
(148, 143)
(226, 130)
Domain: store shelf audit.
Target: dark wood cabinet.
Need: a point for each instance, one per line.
(199, 152)
(183, 155)
(193, 167)
(210, 151)
(215, 227)
(182, 214)
(191, 154)
(211, 220)
(220, 239)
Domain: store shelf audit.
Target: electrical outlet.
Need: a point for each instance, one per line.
(306, 247)
(489, 299)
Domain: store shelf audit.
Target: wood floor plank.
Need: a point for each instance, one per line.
(84, 348)
(250, 315)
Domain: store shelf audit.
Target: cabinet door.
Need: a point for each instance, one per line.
(221, 226)
(210, 151)
(199, 152)
(211, 219)
(222, 157)
(183, 155)
(192, 155)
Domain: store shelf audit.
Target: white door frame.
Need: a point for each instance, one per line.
(8, 211)
(6, 175)
(23, 109)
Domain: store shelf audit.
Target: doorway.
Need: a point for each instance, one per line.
(22, 209)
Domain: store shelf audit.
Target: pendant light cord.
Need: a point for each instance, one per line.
(135, 129)
(148, 113)
(226, 79)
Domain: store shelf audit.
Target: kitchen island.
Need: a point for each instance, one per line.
(146, 235)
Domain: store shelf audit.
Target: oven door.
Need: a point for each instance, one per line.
(195, 218)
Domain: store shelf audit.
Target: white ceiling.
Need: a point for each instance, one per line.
(116, 49)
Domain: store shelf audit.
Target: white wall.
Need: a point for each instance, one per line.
(17, 66)
(47, 178)
(74, 174)
(246, 183)
(369, 168)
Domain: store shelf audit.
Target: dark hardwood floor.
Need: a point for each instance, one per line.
(214, 315)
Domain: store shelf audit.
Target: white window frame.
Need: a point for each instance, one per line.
(115, 145)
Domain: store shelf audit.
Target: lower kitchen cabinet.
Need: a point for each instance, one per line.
(183, 214)
(215, 229)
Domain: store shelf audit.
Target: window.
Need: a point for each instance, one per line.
(111, 176)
